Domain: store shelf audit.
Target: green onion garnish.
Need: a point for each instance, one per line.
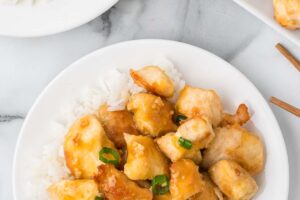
(99, 198)
(160, 185)
(187, 144)
(179, 118)
(111, 152)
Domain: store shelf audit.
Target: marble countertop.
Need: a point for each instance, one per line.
(222, 27)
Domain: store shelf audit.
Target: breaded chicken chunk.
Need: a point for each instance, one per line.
(82, 144)
(154, 80)
(197, 130)
(238, 144)
(73, 189)
(152, 114)
(116, 186)
(234, 181)
(116, 123)
(144, 160)
(185, 180)
(169, 145)
(287, 13)
(240, 117)
(210, 191)
(199, 102)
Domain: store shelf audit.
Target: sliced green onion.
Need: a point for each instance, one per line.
(187, 144)
(99, 198)
(160, 185)
(111, 152)
(179, 118)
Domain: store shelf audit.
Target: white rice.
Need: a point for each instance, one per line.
(114, 89)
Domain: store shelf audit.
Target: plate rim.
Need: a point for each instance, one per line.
(273, 119)
(60, 29)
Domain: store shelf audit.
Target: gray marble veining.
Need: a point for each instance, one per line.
(9, 118)
(211, 25)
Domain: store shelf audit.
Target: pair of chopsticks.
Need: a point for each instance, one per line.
(296, 63)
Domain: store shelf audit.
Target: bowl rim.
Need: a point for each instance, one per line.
(51, 30)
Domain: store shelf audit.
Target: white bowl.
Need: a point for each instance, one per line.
(49, 18)
(199, 67)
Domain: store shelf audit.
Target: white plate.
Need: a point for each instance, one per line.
(263, 9)
(49, 18)
(199, 67)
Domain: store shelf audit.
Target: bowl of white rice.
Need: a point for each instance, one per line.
(102, 77)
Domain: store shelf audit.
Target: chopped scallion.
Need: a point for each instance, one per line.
(108, 151)
(187, 144)
(160, 185)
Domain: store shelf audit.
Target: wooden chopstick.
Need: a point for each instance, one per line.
(285, 106)
(288, 55)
